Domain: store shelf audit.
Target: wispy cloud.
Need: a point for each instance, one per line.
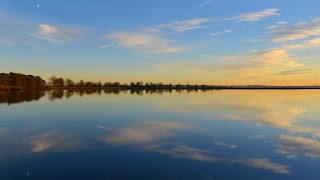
(282, 22)
(105, 46)
(252, 64)
(255, 16)
(205, 3)
(145, 42)
(296, 71)
(191, 24)
(297, 31)
(17, 29)
(149, 39)
(220, 32)
(186, 25)
(58, 34)
(43, 38)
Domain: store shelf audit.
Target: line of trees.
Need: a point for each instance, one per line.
(60, 82)
(21, 80)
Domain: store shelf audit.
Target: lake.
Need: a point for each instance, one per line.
(218, 134)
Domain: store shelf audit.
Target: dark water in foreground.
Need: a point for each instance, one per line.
(228, 134)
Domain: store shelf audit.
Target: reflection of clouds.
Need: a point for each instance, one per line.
(279, 109)
(144, 133)
(259, 136)
(225, 145)
(154, 136)
(262, 163)
(53, 141)
(258, 112)
(266, 115)
(293, 146)
(183, 151)
(103, 128)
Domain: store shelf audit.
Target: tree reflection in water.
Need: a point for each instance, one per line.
(15, 97)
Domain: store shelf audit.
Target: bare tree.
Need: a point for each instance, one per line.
(80, 83)
(53, 81)
(60, 82)
(69, 82)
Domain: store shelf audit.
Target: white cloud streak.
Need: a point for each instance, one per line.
(145, 42)
(220, 32)
(58, 34)
(186, 25)
(205, 3)
(294, 32)
(255, 16)
(105, 46)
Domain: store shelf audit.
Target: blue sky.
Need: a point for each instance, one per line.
(271, 42)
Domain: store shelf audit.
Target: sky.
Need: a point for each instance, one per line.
(222, 42)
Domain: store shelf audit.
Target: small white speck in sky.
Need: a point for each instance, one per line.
(38, 5)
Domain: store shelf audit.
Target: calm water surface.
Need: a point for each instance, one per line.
(228, 134)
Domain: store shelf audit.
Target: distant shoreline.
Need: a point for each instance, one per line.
(182, 87)
(186, 88)
(18, 82)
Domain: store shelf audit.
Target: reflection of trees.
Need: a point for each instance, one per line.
(55, 94)
(69, 94)
(27, 96)
(14, 97)
(116, 91)
(59, 94)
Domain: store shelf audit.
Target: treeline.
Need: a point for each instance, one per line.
(21, 81)
(60, 82)
(17, 81)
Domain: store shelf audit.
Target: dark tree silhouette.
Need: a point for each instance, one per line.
(20, 81)
(69, 82)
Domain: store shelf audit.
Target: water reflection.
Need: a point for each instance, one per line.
(293, 146)
(15, 97)
(153, 137)
(203, 135)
